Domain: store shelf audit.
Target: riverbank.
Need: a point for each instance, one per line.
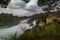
(8, 20)
(49, 31)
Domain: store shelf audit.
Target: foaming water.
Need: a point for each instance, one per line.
(5, 32)
(20, 28)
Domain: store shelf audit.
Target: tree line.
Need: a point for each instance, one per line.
(51, 4)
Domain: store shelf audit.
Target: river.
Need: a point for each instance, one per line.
(5, 32)
(20, 28)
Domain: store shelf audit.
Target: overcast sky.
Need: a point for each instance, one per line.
(20, 8)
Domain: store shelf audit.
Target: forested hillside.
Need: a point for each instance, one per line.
(8, 20)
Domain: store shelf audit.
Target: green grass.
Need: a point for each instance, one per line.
(39, 32)
(51, 28)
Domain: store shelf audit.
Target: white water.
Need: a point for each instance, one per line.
(20, 28)
(12, 30)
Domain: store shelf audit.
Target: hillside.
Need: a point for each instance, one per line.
(8, 20)
(34, 17)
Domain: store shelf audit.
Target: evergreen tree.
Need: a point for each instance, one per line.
(4, 3)
(49, 3)
(26, 1)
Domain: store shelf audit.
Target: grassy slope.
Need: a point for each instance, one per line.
(48, 32)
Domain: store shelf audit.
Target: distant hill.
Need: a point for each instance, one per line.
(8, 20)
(34, 17)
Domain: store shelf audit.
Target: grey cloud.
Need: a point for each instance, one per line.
(31, 6)
(16, 4)
(20, 8)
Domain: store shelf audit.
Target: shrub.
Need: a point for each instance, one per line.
(39, 32)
